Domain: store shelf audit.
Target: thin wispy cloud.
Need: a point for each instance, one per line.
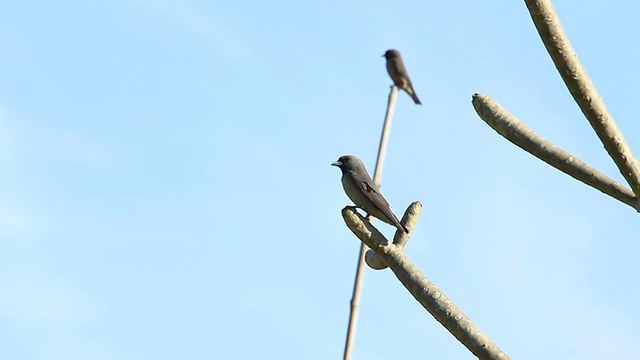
(12, 223)
(33, 295)
(73, 147)
(4, 133)
(209, 27)
(25, 140)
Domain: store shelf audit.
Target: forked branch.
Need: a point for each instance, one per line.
(583, 91)
(519, 134)
(428, 295)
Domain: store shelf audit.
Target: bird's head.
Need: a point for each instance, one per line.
(391, 54)
(348, 163)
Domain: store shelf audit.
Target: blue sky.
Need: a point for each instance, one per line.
(166, 188)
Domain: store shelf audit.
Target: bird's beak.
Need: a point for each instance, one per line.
(382, 55)
(337, 163)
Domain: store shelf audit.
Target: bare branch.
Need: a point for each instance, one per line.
(363, 229)
(583, 91)
(519, 134)
(422, 289)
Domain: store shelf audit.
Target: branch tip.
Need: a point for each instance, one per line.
(409, 220)
(363, 229)
(522, 136)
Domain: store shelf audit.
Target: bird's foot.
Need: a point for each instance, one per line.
(354, 208)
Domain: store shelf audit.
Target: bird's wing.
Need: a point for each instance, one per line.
(371, 192)
(400, 69)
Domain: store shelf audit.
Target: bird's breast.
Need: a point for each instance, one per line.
(352, 190)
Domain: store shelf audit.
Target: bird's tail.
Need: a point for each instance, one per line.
(412, 93)
(400, 225)
(415, 98)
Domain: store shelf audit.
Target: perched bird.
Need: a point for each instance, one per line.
(398, 73)
(362, 191)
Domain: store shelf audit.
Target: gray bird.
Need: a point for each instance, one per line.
(362, 191)
(398, 73)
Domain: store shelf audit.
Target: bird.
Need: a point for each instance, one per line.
(398, 73)
(363, 192)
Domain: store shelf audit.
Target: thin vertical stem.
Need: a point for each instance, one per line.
(355, 304)
(384, 138)
(377, 179)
